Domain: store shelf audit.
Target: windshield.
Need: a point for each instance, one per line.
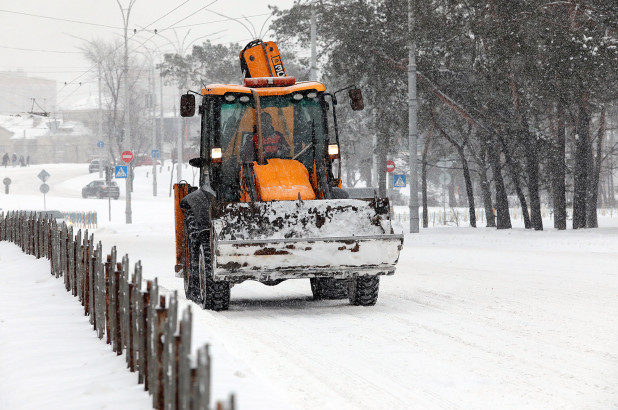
(286, 121)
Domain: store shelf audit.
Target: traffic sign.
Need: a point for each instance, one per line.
(156, 153)
(127, 156)
(44, 188)
(445, 178)
(7, 181)
(100, 144)
(399, 181)
(444, 163)
(390, 166)
(43, 175)
(120, 171)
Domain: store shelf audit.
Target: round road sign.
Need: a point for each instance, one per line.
(127, 156)
(44, 188)
(7, 181)
(390, 166)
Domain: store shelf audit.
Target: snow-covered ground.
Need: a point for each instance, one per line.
(472, 319)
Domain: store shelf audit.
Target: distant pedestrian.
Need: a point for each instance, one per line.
(22, 161)
(14, 159)
(27, 160)
(5, 159)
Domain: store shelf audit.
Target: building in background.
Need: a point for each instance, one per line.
(46, 140)
(20, 93)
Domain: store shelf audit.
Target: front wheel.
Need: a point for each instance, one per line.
(329, 288)
(190, 258)
(364, 290)
(214, 295)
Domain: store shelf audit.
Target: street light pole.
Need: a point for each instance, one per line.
(153, 102)
(314, 68)
(127, 120)
(412, 129)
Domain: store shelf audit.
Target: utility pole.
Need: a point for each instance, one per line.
(314, 63)
(153, 102)
(412, 126)
(161, 129)
(127, 120)
(100, 125)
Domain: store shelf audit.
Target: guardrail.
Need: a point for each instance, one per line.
(133, 315)
(82, 219)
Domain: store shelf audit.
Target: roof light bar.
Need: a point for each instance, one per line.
(269, 81)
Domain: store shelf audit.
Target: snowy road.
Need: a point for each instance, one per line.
(456, 328)
(472, 319)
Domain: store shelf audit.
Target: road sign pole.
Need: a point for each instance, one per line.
(127, 156)
(100, 145)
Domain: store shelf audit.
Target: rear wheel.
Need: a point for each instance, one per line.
(190, 258)
(329, 288)
(364, 290)
(214, 295)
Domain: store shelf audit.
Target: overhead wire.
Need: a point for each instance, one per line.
(220, 21)
(40, 50)
(167, 14)
(59, 19)
(145, 29)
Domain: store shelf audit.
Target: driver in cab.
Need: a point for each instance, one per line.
(274, 143)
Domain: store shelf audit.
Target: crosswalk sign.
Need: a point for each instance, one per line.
(399, 181)
(120, 171)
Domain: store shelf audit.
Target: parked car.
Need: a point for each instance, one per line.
(95, 165)
(100, 189)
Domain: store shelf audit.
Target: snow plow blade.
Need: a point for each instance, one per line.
(269, 241)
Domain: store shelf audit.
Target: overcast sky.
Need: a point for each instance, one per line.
(42, 37)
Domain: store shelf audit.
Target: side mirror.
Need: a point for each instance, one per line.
(187, 105)
(356, 99)
(197, 162)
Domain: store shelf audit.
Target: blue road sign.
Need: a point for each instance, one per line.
(399, 181)
(120, 171)
(156, 153)
(100, 144)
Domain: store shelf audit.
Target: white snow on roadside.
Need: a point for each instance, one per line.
(472, 319)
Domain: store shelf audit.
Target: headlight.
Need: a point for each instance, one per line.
(216, 155)
(333, 151)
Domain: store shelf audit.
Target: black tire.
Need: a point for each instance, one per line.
(364, 290)
(190, 258)
(214, 295)
(329, 288)
(84, 195)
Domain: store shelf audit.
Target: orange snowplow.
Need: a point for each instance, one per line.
(269, 206)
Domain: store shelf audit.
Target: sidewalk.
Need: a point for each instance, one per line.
(50, 358)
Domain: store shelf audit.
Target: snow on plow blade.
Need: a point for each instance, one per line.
(295, 239)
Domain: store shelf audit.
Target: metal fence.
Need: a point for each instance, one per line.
(82, 219)
(131, 315)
